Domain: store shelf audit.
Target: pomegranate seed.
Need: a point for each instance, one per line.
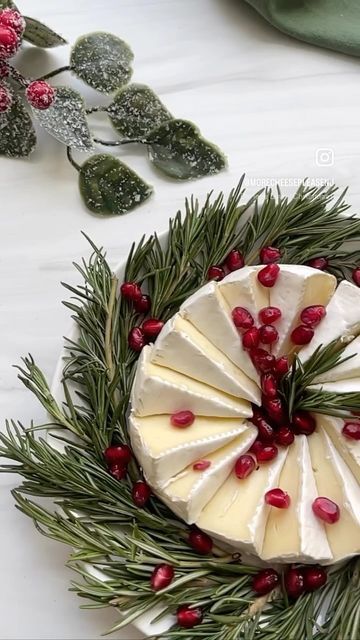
(318, 263)
(277, 498)
(266, 452)
(303, 422)
(302, 334)
(130, 291)
(313, 315)
(201, 465)
(152, 328)
(143, 304)
(294, 582)
(11, 18)
(242, 318)
(141, 493)
(251, 338)
(6, 99)
(187, 618)
(9, 42)
(269, 255)
(162, 576)
(281, 366)
(265, 431)
(351, 430)
(326, 510)
(118, 454)
(182, 419)
(136, 339)
(262, 360)
(215, 273)
(119, 471)
(200, 541)
(256, 446)
(268, 275)
(314, 577)
(268, 315)
(244, 466)
(284, 436)
(40, 94)
(265, 581)
(275, 410)
(234, 260)
(268, 334)
(356, 276)
(269, 385)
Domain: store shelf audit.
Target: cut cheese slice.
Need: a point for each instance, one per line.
(164, 450)
(348, 369)
(189, 491)
(349, 449)
(352, 385)
(158, 390)
(297, 287)
(242, 288)
(209, 312)
(350, 487)
(180, 346)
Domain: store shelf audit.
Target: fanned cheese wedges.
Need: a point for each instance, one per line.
(243, 289)
(349, 368)
(348, 449)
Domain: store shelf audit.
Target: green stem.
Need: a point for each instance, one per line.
(18, 77)
(71, 159)
(97, 109)
(118, 143)
(55, 72)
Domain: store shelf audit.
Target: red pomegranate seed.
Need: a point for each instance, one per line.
(162, 576)
(294, 582)
(251, 338)
(188, 617)
(201, 465)
(277, 498)
(265, 581)
(265, 431)
(268, 334)
(244, 466)
(356, 276)
(215, 273)
(118, 454)
(266, 452)
(143, 304)
(256, 446)
(351, 430)
(200, 541)
(119, 471)
(268, 315)
(268, 275)
(281, 366)
(303, 422)
(302, 334)
(318, 263)
(152, 328)
(141, 493)
(275, 409)
(182, 419)
(262, 360)
(269, 255)
(313, 315)
(284, 436)
(269, 385)
(326, 510)
(234, 260)
(314, 577)
(130, 291)
(242, 318)
(136, 339)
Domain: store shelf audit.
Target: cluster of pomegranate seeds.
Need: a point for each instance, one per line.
(182, 419)
(297, 580)
(149, 330)
(351, 430)
(326, 510)
(188, 617)
(201, 465)
(268, 275)
(318, 263)
(162, 576)
(233, 261)
(141, 493)
(356, 276)
(200, 541)
(268, 255)
(277, 498)
(117, 458)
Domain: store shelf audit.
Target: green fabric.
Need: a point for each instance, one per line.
(334, 24)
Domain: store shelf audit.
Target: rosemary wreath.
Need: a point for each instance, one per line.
(94, 513)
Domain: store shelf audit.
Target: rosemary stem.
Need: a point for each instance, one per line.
(108, 329)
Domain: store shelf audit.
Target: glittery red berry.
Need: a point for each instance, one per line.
(326, 510)
(182, 419)
(294, 582)
(5, 99)
(269, 385)
(11, 18)
(136, 339)
(284, 436)
(234, 260)
(268, 315)
(118, 454)
(262, 360)
(188, 617)
(314, 577)
(141, 493)
(277, 498)
(266, 452)
(303, 422)
(242, 318)
(265, 581)
(40, 94)
(200, 541)
(268, 275)
(142, 304)
(152, 328)
(281, 366)
(215, 273)
(162, 576)
(269, 255)
(244, 466)
(313, 315)
(119, 471)
(318, 263)
(302, 334)
(268, 334)
(9, 42)
(251, 338)
(130, 291)
(356, 276)
(201, 465)
(351, 430)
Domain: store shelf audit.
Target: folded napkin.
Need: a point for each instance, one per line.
(334, 24)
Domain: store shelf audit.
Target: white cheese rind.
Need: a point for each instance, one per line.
(349, 449)
(348, 369)
(242, 288)
(350, 487)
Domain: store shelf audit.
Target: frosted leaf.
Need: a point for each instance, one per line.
(102, 60)
(8, 4)
(66, 120)
(136, 110)
(178, 150)
(40, 35)
(17, 134)
(110, 187)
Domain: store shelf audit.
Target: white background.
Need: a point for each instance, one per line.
(268, 101)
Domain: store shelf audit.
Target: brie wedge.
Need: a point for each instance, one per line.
(242, 289)
(348, 369)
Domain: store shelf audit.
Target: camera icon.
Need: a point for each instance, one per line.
(324, 157)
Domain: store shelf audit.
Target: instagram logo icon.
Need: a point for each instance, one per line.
(324, 157)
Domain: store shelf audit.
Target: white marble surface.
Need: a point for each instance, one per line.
(270, 102)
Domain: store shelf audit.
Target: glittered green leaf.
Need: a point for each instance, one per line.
(17, 134)
(40, 35)
(110, 187)
(177, 148)
(5, 4)
(102, 60)
(66, 120)
(136, 110)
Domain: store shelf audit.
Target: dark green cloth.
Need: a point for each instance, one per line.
(334, 24)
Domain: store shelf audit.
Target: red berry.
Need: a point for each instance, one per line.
(269, 385)
(256, 446)
(244, 466)
(265, 581)
(303, 422)
(275, 409)
(13, 19)
(268, 334)
(242, 318)
(200, 541)
(141, 493)
(162, 576)
(313, 315)
(234, 260)
(143, 304)
(281, 366)
(136, 339)
(277, 498)
(265, 430)
(4, 70)
(9, 42)
(314, 577)
(201, 465)
(326, 510)
(118, 471)
(284, 436)
(266, 452)
(263, 360)
(5, 99)
(268, 275)
(118, 454)
(152, 328)
(268, 315)
(130, 291)
(251, 338)
(302, 334)
(182, 419)
(356, 276)
(188, 617)
(40, 94)
(294, 582)
(215, 273)
(269, 255)
(318, 263)
(351, 430)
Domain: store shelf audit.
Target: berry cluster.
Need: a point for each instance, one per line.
(117, 458)
(150, 328)
(297, 580)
